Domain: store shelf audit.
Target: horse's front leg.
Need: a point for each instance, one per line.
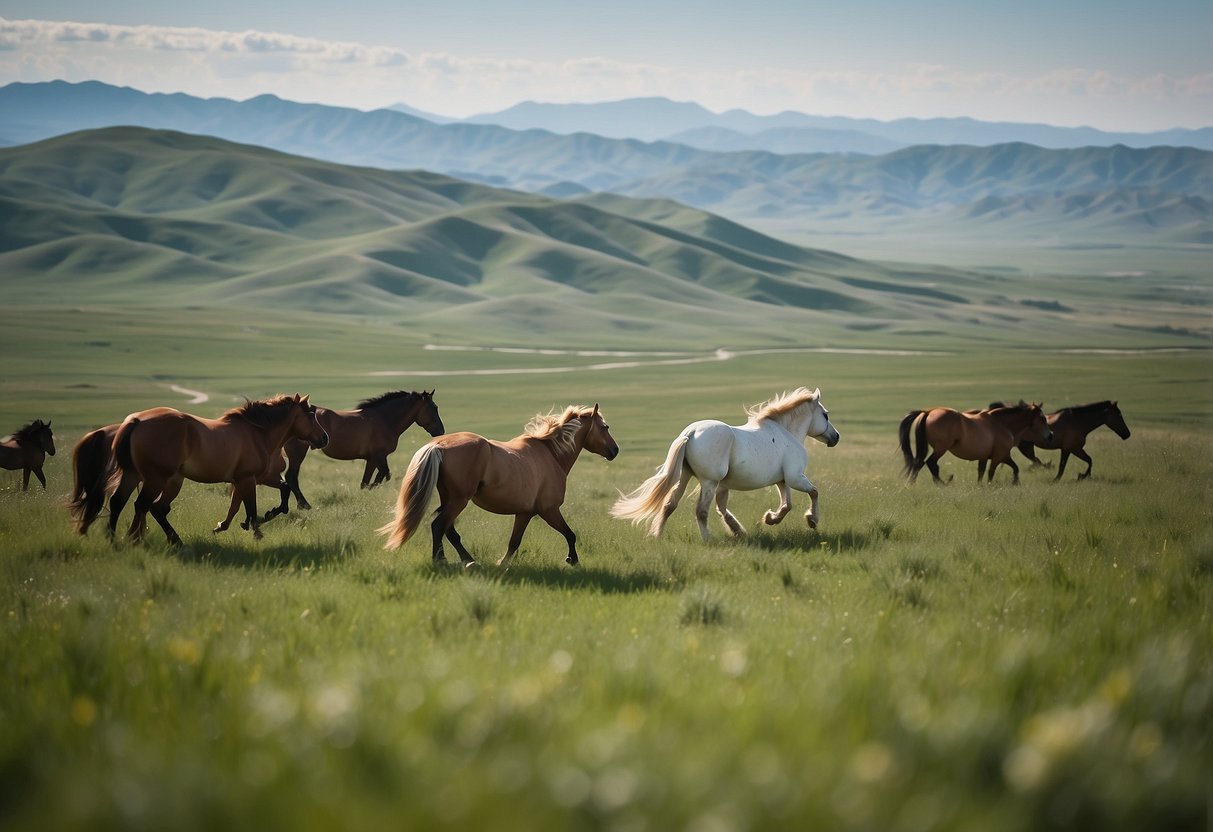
(774, 516)
(25, 479)
(730, 520)
(520, 523)
(1085, 457)
(556, 520)
(382, 472)
(42, 479)
(366, 473)
(226, 522)
(801, 483)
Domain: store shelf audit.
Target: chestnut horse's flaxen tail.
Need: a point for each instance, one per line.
(92, 466)
(415, 494)
(648, 500)
(913, 461)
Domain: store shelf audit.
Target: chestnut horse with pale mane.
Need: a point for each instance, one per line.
(160, 448)
(525, 477)
(986, 436)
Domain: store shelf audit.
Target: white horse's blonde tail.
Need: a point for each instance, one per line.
(415, 494)
(648, 500)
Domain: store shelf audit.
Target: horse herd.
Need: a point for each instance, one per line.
(265, 442)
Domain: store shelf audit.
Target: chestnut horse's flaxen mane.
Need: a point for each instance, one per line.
(558, 429)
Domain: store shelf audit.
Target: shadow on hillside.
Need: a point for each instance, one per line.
(258, 556)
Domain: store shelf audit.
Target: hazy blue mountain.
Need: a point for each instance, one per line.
(401, 107)
(659, 118)
(787, 140)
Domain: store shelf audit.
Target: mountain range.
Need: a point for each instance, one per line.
(130, 216)
(660, 119)
(1163, 195)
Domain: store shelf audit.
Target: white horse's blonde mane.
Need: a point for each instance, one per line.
(558, 429)
(780, 406)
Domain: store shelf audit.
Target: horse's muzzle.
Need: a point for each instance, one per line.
(611, 453)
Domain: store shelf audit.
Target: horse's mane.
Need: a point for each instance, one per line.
(28, 432)
(261, 412)
(780, 405)
(558, 429)
(1086, 408)
(385, 398)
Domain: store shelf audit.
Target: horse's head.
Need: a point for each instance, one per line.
(596, 436)
(1038, 429)
(47, 438)
(820, 427)
(1115, 420)
(304, 424)
(427, 415)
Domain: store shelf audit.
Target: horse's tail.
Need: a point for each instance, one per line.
(123, 460)
(92, 466)
(415, 494)
(648, 499)
(903, 438)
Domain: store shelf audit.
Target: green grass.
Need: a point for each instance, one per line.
(959, 657)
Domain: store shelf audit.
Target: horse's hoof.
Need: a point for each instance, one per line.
(812, 523)
(572, 561)
(469, 564)
(220, 528)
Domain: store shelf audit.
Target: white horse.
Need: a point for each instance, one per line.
(767, 450)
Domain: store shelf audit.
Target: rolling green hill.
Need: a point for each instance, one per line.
(146, 218)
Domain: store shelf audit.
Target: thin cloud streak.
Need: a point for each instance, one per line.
(243, 64)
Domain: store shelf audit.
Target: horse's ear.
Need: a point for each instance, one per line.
(816, 394)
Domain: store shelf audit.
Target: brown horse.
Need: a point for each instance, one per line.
(163, 447)
(26, 449)
(983, 435)
(1070, 427)
(93, 466)
(370, 431)
(525, 477)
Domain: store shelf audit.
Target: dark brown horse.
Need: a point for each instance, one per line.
(986, 436)
(27, 449)
(160, 448)
(370, 431)
(93, 466)
(1070, 427)
(525, 477)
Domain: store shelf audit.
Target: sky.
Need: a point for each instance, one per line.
(1113, 64)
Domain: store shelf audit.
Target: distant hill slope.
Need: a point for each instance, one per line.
(130, 216)
(1157, 195)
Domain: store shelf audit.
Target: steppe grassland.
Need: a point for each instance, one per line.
(964, 656)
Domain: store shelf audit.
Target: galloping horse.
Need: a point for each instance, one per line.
(525, 477)
(162, 447)
(26, 449)
(983, 435)
(767, 450)
(93, 466)
(1070, 427)
(370, 431)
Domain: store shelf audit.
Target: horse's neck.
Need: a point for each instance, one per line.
(1091, 418)
(399, 413)
(1016, 420)
(797, 423)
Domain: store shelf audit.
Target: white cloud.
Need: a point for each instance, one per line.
(243, 64)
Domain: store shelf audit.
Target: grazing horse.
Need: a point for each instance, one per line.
(370, 431)
(161, 447)
(986, 436)
(525, 477)
(93, 465)
(1070, 427)
(26, 449)
(767, 450)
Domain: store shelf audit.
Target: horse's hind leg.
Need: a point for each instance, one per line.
(465, 556)
(163, 505)
(670, 503)
(981, 470)
(25, 479)
(730, 520)
(118, 500)
(932, 464)
(1082, 455)
(444, 522)
(520, 523)
(707, 495)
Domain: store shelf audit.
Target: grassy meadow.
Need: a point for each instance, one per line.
(964, 657)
